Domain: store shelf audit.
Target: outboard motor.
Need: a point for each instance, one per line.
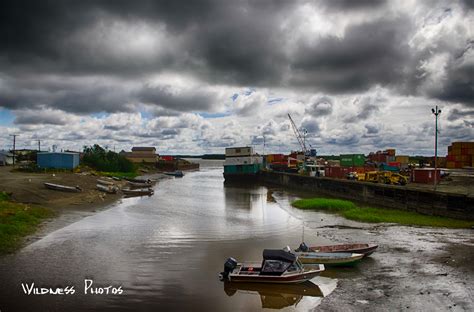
(303, 247)
(229, 265)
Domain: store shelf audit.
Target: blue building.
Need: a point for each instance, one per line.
(57, 160)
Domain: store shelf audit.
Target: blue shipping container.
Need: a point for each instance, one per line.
(57, 160)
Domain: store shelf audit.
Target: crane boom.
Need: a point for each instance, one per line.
(298, 135)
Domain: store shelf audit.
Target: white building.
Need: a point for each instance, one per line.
(6, 158)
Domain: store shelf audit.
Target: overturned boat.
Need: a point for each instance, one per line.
(110, 189)
(63, 188)
(138, 185)
(278, 266)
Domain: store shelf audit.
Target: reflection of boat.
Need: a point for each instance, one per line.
(276, 296)
(278, 266)
(329, 259)
(365, 249)
(177, 173)
(111, 189)
(140, 192)
(64, 188)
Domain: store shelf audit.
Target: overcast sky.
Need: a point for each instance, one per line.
(198, 76)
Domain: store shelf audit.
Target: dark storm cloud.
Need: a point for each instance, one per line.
(370, 53)
(366, 108)
(456, 114)
(322, 106)
(165, 97)
(352, 4)
(40, 117)
(239, 43)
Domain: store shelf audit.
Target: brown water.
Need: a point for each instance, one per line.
(166, 251)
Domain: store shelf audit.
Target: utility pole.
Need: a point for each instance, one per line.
(14, 146)
(436, 112)
(39, 145)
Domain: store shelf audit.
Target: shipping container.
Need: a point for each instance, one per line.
(390, 152)
(395, 164)
(238, 151)
(450, 164)
(425, 175)
(352, 160)
(390, 159)
(57, 160)
(451, 158)
(403, 159)
(167, 158)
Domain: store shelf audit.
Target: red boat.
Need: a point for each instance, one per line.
(278, 266)
(365, 249)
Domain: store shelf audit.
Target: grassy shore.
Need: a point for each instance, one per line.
(16, 221)
(351, 211)
(122, 175)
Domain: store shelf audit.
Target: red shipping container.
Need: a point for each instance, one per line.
(450, 158)
(464, 151)
(167, 158)
(394, 164)
(278, 157)
(426, 175)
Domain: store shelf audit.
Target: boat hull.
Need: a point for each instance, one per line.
(292, 278)
(329, 259)
(365, 249)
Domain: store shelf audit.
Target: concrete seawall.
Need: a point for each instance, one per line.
(423, 201)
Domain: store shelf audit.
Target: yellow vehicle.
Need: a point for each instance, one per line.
(386, 177)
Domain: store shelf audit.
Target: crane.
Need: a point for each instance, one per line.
(298, 135)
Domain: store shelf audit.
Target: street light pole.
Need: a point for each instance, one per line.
(436, 112)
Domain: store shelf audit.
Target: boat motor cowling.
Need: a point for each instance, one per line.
(303, 247)
(229, 265)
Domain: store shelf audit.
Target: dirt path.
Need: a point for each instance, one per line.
(28, 188)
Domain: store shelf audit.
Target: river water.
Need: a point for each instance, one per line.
(165, 251)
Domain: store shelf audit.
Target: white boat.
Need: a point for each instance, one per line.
(64, 188)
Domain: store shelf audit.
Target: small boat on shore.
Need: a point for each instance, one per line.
(63, 188)
(147, 181)
(137, 185)
(140, 192)
(329, 259)
(110, 189)
(104, 182)
(278, 266)
(177, 173)
(365, 249)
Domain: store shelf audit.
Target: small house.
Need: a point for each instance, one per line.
(63, 160)
(6, 158)
(142, 154)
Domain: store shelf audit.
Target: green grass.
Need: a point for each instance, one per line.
(16, 221)
(351, 211)
(122, 175)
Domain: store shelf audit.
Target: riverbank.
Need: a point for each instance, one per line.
(18, 220)
(424, 201)
(351, 211)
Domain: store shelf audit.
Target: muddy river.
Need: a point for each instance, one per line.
(164, 253)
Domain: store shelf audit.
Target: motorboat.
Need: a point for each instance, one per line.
(278, 266)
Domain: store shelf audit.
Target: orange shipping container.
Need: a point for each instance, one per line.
(456, 151)
(457, 145)
(450, 165)
(470, 151)
(467, 144)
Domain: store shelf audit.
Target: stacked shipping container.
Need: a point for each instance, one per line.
(460, 154)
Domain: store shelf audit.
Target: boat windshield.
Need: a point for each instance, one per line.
(275, 267)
